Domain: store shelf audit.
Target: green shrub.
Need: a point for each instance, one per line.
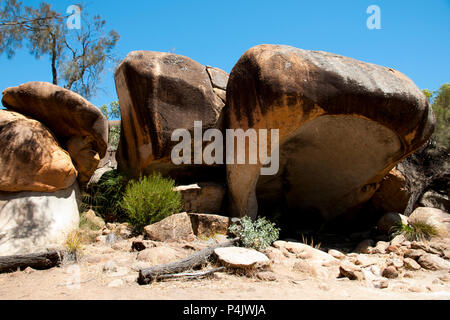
(415, 231)
(104, 198)
(149, 200)
(258, 234)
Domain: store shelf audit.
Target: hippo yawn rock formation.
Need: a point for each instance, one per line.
(343, 125)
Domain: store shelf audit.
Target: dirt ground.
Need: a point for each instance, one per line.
(283, 283)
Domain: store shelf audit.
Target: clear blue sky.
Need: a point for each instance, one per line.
(414, 39)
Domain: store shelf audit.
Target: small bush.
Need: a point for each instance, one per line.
(149, 200)
(258, 234)
(104, 198)
(73, 246)
(415, 231)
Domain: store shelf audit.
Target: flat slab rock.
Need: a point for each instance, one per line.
(236, 257)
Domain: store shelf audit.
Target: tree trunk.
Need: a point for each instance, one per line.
(39, 261)
(54, 71)
(197, 259)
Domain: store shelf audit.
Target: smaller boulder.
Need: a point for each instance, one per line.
(91, 221)
(414, 253)
(381, 247)
(433, 262)
(160, 255)
(390, 272)
(349, 270)
(303, 251)
(365, 246)
(236, 257)
(219, 78)
(411, 264)
(202, 197)
(393, 194)
(208, 225)
(175, 227)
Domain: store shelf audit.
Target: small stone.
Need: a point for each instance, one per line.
(28, 270)
(419, 245)
(348, 270)
(266, 276)
(414, 254)
(110, 266)
(381, 247)
(376, 270)
(408, 275)
(390, 272)
(445, 278)
(130, 279)
(396, 262)
(433, 262)
(411, 264)
(101, 239)
(111, 238)
(336, 254)
(393, 248)
(116, 283)
(406, 244)
(365, 260)
(380, 283)
(138, 246)
(398, 240)
(416, 288)
(364, 246)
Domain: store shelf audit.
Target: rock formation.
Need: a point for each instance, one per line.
(343, 125)
(158, 93)
(31, 159)
(33, 221)
(79, 126)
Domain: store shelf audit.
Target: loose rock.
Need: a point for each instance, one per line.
(236, 257)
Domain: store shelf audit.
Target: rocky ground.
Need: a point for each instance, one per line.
(108, 268)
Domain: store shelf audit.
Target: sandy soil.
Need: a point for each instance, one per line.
(56, 283)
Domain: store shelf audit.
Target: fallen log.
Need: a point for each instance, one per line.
(38, 261)
(197, 259)
(190, 275)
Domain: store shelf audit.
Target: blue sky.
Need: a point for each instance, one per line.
(414, 36)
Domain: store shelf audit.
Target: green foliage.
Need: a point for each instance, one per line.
(104, 198)
(78, 57)
(149, 200)
(112, 111)
(114, 137)
(258, 234)
(440, 102)
(415, 231)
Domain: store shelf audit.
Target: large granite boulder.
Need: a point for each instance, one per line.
(343, 125)
(158, 93)
(31, 159)
(79, 126)
(33, 221)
